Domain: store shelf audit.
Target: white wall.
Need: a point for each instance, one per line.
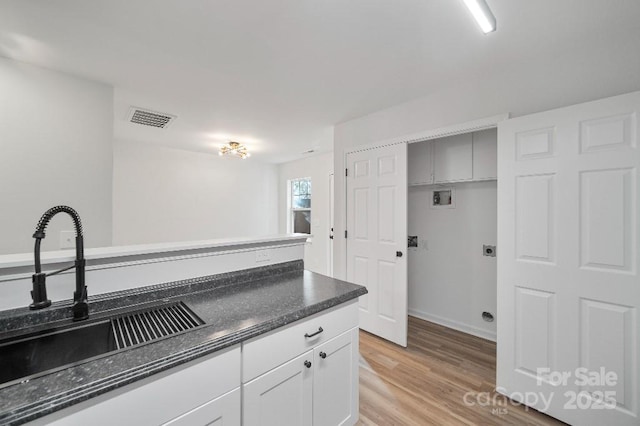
(57, 147)
(56, 135)
(527, 86)
(165, 195)
(318, 168)
(450, 281)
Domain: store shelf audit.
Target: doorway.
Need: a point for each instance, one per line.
(452, 231)
(375, 250)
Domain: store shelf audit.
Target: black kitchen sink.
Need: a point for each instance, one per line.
(42, 352)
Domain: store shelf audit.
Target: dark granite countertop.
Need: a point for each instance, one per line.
(235, 307)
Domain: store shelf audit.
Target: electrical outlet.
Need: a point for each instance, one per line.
(263, 256)
(67, 240)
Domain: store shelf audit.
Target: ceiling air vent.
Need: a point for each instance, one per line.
(150, 118)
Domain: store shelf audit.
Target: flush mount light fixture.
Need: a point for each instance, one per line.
(234, 149)
(482, 14)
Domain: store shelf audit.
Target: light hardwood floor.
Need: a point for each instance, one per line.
(426, 383)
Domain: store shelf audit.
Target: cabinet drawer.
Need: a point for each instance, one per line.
(270, 350)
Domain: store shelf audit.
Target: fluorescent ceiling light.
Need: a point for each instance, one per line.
(482, 14)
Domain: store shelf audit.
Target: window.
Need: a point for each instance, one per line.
(300, 206)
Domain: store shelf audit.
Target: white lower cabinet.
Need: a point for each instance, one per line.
(335, 381)
(281, 397)
(317, 387)
(302, 374)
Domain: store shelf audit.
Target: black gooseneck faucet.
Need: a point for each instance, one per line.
(39, 293)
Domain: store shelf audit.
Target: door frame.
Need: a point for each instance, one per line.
(467, 127)
(455, 129)
(331, 225)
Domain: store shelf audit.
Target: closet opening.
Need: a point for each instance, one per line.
(452, 228)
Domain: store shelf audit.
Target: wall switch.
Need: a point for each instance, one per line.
(67, 240)
(263, 256)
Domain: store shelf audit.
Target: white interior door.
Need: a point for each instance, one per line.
(377, 238)
(568, 244)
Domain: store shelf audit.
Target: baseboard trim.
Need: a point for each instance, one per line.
(465, 328)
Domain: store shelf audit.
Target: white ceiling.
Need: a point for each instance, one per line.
(278, 74)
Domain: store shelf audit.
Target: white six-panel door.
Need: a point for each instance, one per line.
(377, 238)
(569, 244)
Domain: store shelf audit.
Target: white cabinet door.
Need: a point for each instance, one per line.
(222, 411)
(485, 154)
(377, 238)
(419, 163)
(453, 158)
(569, 241)
(281, 397)
(335, 381)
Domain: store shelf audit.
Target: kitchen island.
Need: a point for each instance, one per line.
(252, 318)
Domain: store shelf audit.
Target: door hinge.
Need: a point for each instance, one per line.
(345, 234)
(346, 172)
